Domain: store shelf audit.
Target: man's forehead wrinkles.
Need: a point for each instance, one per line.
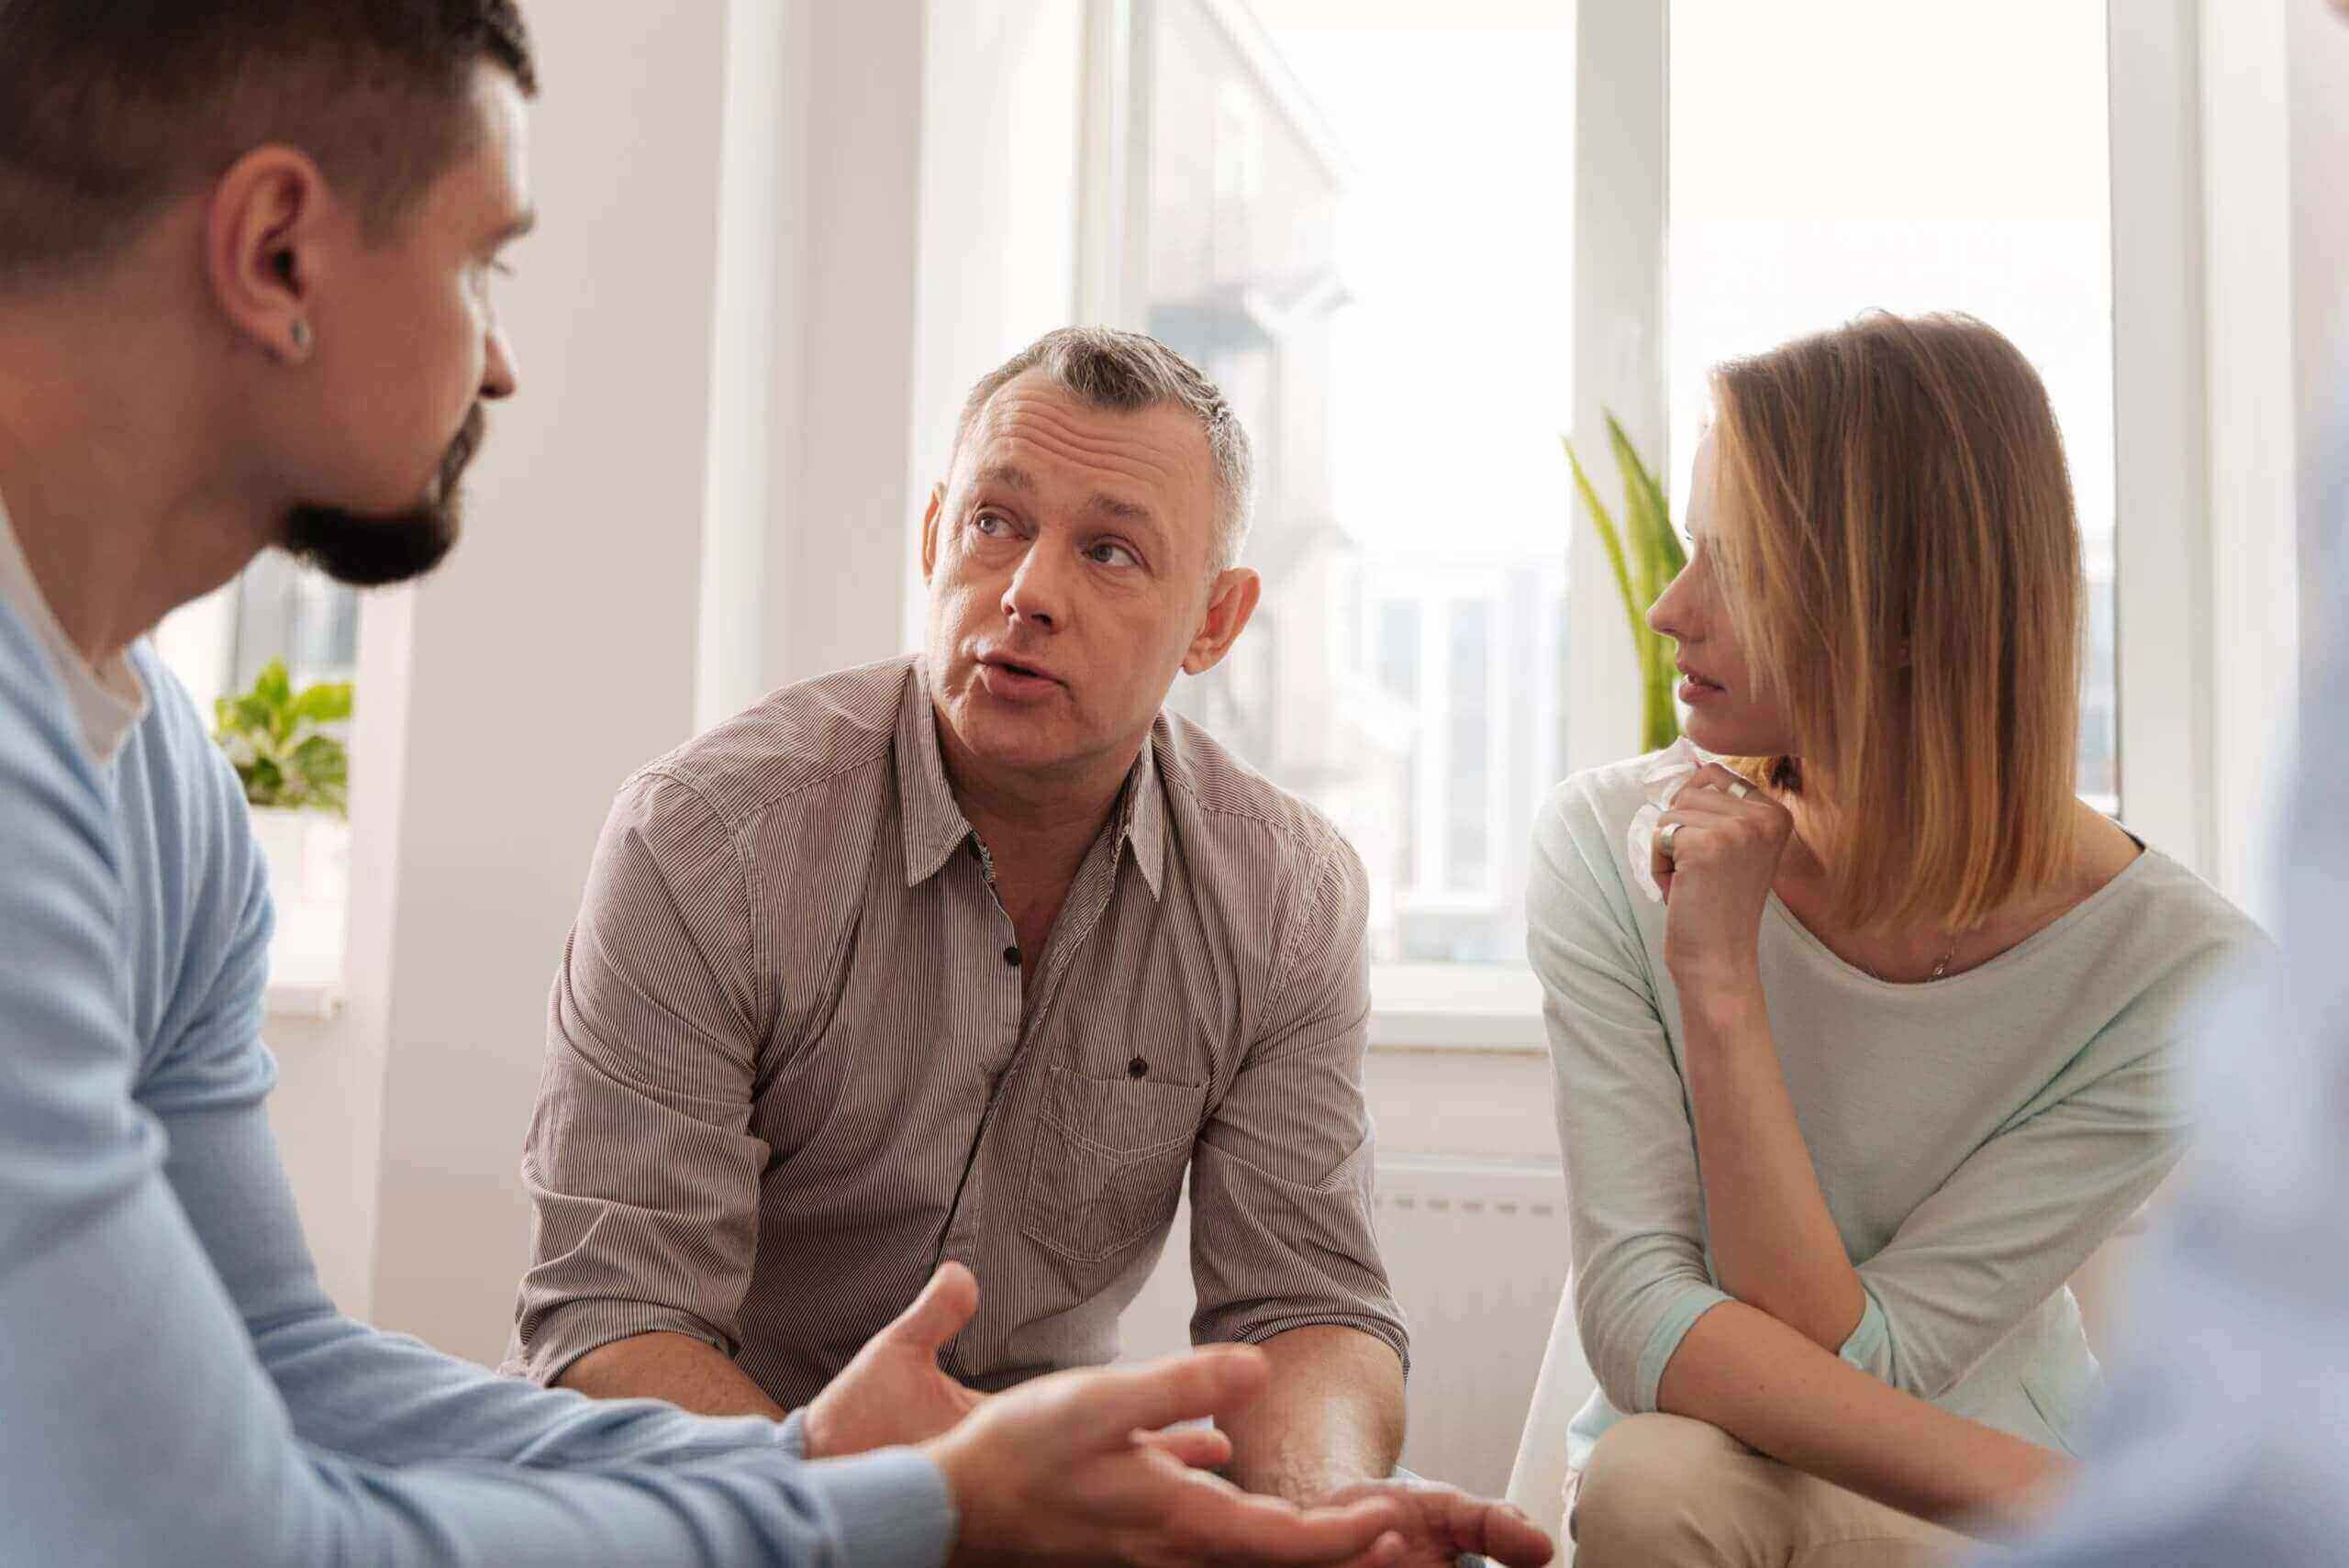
(1048, 423)
(1024, 445)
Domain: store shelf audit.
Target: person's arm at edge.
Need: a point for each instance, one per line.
(158, 1379)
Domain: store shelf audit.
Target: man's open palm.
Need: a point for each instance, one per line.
(1444, 1524)
(893, 1392)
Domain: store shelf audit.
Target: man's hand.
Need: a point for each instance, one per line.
(1442, 1523)
(893, 1392)
(1077, 1468)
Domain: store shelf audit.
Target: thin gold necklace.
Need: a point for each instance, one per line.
(1941, 971)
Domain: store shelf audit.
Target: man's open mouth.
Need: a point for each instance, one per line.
(1018, 669)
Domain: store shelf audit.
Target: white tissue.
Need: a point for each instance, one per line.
(1666, 771)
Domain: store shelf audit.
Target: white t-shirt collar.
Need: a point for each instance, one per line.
(109, 699)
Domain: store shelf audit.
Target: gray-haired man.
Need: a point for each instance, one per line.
(967, 958)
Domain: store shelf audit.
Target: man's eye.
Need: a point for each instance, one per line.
(989, 524)
(1112, 554)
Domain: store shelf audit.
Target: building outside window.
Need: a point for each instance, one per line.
(1382, 289)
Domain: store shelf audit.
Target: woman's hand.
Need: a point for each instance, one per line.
(1727, 839)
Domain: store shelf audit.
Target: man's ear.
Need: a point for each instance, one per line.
(1231, 603)
(930, 529)
(261, 249)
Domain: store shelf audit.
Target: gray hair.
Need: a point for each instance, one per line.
(1128, 371)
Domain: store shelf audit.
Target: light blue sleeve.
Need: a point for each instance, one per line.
(142, 1425)
(1634, 1203)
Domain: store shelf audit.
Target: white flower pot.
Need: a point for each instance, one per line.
(308, 854)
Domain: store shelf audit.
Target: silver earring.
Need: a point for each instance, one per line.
(301, 337)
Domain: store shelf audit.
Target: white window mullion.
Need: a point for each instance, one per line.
(2162, 619)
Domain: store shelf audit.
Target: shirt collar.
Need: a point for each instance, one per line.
(935, 827)
(109, 699)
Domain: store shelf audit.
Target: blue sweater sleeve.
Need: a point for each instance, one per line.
(147, 1416)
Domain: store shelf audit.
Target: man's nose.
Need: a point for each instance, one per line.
(500, 380)
(1038, 592)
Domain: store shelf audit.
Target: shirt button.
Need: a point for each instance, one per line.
(1011, 957)
(1137, 1068)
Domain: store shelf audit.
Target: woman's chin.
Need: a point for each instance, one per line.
(1723, 736)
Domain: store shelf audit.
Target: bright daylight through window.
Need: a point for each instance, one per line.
(1817, 173)
(1359, 222)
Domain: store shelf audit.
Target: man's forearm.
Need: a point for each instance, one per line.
(683, 1370)
(1774, 1243)
(1773, 1389)
(1332, 1417)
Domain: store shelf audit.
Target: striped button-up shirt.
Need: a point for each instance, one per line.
(793, 1065)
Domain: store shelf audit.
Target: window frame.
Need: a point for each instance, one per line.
(2182, 158)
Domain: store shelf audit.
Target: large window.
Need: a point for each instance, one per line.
(1840, 155)
(1358, 219)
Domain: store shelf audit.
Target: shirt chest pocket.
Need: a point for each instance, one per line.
(1107, 1165)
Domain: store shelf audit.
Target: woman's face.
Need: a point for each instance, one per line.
(1726, 714)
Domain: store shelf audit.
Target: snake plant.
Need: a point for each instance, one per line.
(1646, 555)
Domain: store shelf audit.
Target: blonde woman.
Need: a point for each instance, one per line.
(1899, 1045)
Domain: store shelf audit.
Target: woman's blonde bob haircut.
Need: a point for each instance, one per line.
(1900, 560)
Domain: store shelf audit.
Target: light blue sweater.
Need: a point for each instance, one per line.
(1976, 1137)
(174, 1387)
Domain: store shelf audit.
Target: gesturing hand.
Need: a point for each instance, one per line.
(1727, 840)
(1076, 1468)
(1442, 1523)
(893, 1390)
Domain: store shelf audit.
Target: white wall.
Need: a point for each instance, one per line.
(558, 651)
(2318, 44)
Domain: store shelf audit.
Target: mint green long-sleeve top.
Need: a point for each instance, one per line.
(1976, 1137)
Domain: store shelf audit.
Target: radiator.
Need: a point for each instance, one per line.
(1478, 1253)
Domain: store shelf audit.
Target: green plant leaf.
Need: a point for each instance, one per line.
(274, 687)
(1607, 536)
(1645, 555)
(329, 702)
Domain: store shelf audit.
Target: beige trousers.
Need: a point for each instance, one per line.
(1665, 1492)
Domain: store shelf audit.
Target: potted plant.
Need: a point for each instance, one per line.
(1646, 555)
(287, 749)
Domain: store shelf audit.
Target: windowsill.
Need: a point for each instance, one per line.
(305, 1000)
(305, 963)
(1456, 1007)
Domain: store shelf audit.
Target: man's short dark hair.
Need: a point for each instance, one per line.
(112, 109)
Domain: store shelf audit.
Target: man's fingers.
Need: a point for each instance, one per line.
(1384, 1552)
(1499, 1532)
(1198, 1448)
(1268, 1530)
(1107, 1406)
(945, 1306)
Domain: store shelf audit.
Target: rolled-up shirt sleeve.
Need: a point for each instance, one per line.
(642, 1171)
(1635, 1204)
(1282, 1236)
